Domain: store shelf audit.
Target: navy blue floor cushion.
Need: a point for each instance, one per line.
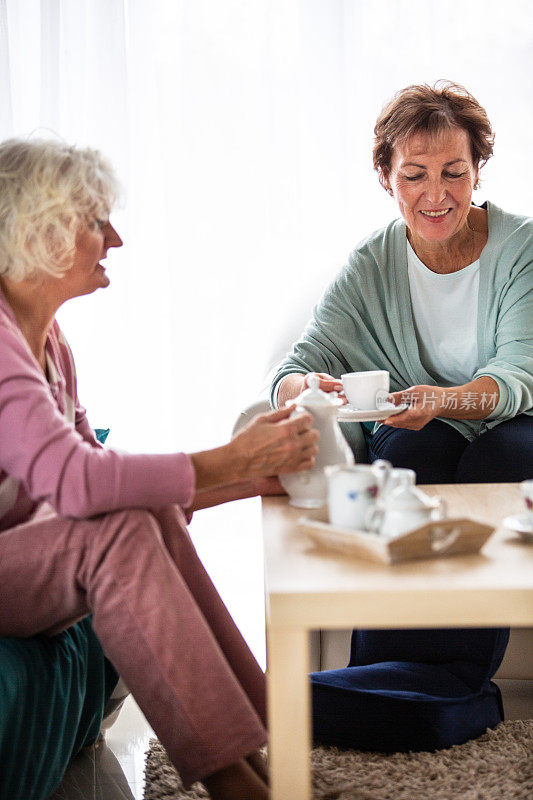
(411, 690)
(52, 694)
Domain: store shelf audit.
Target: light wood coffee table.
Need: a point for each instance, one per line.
(309, 588)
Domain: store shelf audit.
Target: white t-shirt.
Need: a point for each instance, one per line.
(445, 316)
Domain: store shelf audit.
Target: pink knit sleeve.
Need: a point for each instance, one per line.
(54, 461)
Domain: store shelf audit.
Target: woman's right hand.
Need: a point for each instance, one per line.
(275, 442)
(270, 444)
(326, 382)
(294, 384)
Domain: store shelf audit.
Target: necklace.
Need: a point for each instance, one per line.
(472, 242)
(458, 258)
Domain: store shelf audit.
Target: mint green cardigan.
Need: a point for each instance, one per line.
(364, 320)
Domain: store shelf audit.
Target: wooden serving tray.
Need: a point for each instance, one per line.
(440, 538)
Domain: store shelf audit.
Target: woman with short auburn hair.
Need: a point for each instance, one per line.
(441, 298)
(433, 110)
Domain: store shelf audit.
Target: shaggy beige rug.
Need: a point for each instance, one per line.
(497, 766)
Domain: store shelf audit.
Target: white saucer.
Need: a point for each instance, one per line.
(522, 524)
(348, 413)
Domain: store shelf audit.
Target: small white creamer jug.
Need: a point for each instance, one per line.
(308, 489)
(405, 508)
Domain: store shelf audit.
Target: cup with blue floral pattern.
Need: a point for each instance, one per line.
(527, 492)
(353, 490)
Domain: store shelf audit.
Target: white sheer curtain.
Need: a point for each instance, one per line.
(242, 134)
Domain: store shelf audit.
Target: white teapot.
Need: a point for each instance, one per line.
(405, 508)
(308, 489)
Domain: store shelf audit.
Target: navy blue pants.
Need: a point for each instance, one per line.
(440, 454)
(425, 689)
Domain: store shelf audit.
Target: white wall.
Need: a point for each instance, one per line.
(242, 133)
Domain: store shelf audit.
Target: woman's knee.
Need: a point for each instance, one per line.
(128, 533)
(502, 454)
(134, 533)
(131, 522)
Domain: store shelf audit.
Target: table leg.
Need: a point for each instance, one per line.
(289, 718)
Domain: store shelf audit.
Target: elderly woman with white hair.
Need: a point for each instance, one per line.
(88, 530)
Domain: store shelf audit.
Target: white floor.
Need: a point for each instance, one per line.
(229, 542)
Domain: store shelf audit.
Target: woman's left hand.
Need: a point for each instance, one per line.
(424, 404)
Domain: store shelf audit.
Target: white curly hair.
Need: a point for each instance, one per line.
(48, 191)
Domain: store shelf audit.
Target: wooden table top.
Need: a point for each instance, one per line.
(311, 586)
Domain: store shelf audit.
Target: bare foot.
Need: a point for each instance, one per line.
(239, 781)
(259, 764)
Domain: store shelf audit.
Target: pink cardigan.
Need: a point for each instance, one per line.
(48, 450)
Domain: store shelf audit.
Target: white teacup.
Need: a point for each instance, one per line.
(353, 490)
(405, 508)
(527, 491)
(366, 390)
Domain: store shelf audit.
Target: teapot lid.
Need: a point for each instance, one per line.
(408, 497)
(313, 396)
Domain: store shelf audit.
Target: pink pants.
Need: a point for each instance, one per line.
(159, 618)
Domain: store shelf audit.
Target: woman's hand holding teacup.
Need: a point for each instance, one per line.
(423, 406)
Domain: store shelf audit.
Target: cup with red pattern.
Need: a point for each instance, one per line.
(527, 491)
(353, 490)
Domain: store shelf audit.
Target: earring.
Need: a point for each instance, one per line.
(389, 191)
(476, 186)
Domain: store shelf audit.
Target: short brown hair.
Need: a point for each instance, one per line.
(431, 109)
